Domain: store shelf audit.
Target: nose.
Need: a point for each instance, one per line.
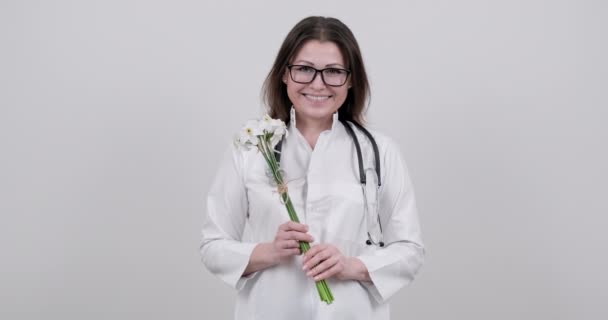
(317, 82)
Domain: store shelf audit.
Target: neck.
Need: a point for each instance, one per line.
(312, 129)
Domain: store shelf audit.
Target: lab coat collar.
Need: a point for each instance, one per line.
(292, 120)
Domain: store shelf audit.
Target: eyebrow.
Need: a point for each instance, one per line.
(312, 64)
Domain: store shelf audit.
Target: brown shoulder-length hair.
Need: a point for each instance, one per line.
(274, 91)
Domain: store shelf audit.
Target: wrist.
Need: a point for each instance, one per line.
(269, 254)
(357, 269)
(262, 257)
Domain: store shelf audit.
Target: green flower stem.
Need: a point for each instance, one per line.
(264, 147)
(322, 286)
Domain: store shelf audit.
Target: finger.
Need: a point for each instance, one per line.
(329, 273)
(284, 244)
(290, 225)
(293, 235)
(314, 250)
(300, 236)
(284, 226)
(281, 245)
(323, 266)
(290, 244)
(317, 258)
(289, 252)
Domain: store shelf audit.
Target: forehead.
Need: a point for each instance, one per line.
(319, 53)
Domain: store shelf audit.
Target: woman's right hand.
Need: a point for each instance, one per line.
(287, 240)
(285, 244)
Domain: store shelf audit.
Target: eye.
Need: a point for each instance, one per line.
(335, 71)
(304, 69)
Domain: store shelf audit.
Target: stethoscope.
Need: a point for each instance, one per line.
(378, 241)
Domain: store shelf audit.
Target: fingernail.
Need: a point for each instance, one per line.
(309, 273)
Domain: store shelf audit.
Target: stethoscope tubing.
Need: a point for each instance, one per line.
(362, 173)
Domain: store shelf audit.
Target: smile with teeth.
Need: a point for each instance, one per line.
(316, 98)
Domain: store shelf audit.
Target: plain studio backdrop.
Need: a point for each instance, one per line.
(114, 115)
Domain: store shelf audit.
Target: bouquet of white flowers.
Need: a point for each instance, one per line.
(265, 134)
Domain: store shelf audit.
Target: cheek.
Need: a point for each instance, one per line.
(341, 95)
(292, 91)
(294, 87)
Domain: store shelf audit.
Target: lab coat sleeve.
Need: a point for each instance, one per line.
(394, 266)
(222, 251)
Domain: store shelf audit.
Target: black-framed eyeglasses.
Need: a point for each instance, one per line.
(333, 77)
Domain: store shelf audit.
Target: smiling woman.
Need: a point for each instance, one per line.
(357, 209)
(312, 97)
(321, 43)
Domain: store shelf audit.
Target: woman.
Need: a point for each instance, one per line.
(317, 82)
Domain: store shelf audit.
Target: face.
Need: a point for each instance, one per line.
(316, 102)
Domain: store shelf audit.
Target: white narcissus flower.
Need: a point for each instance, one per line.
(250, 132)
(280, 130)
(267, 124)
(268, 128)
(274, 140)
(279, 126)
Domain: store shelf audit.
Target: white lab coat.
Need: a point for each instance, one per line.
(325, 190)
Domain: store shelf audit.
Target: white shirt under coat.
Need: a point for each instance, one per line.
(326, 192)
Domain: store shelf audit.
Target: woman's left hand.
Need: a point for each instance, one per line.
(324, 261)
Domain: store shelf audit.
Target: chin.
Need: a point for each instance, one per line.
(317, 112)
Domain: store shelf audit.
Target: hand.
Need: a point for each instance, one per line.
(286, 242)
(324, 261)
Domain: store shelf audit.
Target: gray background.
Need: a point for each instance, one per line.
(114, 115)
